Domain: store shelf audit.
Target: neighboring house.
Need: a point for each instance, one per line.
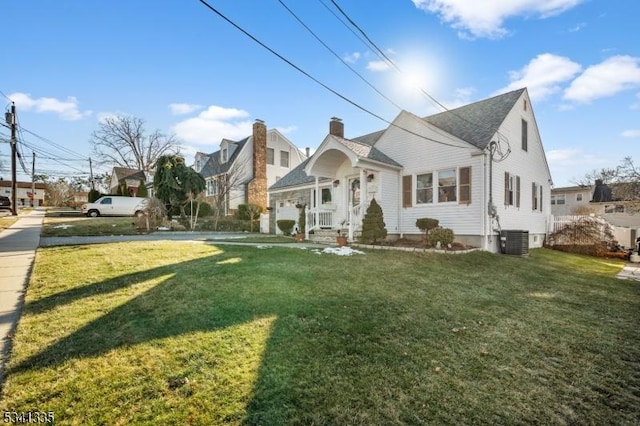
(241, 171)
(571, 200)
(132, 177)
(600, 200)
(24, 192)
(478, 169)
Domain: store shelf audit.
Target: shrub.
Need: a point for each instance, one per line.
(154, 216)
(142, 190)
(205, 209)
(426, 224)
(225, 224)
(302, 218)
(93, 195)
(249, 212)
(286, 226)
(444, 236)
(373, 227)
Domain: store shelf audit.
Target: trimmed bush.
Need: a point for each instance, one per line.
(302, 219)
(444, 236)
(286, 226)
(426, 224)
(373, 227)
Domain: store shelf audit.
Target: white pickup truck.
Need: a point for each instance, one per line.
(114, 205)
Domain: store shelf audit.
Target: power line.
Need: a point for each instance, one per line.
(381, 54)
(336, 55)
(297, 68)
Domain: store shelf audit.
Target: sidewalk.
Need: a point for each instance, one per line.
(18, 246)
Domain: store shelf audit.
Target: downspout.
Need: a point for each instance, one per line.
(491, 208)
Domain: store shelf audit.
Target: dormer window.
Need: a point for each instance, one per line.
(224, 155)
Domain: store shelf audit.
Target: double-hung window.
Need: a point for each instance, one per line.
(511, 190)
(424, 188)
(271, 156)
(447, 186)
(284, 159)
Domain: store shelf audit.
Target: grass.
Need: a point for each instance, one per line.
(166, 332)
(83, 226)
(7, 221)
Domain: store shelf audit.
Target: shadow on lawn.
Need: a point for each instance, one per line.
(207, 294)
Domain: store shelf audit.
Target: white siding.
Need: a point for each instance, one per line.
(279, 143)
(530, 166)
(419, 155)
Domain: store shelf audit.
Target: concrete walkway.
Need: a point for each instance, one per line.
(18, 246)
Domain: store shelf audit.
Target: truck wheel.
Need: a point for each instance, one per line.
(93, 213)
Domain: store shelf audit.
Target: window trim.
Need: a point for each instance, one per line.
(426, 188)
(282, 157)
(525, 135)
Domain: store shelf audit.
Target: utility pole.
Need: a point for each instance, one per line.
(33, 180)
(10, 117)
(93, 186)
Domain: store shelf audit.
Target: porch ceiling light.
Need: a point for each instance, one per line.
(336, 182)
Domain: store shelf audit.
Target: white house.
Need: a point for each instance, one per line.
(247, 167)
(478, 169)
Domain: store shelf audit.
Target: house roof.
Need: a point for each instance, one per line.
(476, 123)
(214, 167)
(27, 185)
(570, 189)
(125, 173)
(296, 177)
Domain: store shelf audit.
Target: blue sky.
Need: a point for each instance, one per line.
(184, 70)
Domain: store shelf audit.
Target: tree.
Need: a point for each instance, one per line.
(121, 141)
(373, 226)
(59, 193)
(142, 190)
(225, 183)
(177, 185)
(624, 181)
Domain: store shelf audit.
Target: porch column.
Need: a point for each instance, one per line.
(364, 191)
(317, 208)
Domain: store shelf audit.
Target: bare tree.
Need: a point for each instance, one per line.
(624, 181)
(121, 141)
(59, 193)
(226, 184)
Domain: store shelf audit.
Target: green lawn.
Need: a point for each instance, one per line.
(182, 333)
(84, 226)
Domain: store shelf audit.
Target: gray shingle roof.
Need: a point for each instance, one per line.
(214, 167)
(476, 123)
(296, 177)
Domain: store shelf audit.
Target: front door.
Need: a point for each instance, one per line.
(354, 192)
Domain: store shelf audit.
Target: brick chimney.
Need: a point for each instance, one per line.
(336, 127)
(257, 187)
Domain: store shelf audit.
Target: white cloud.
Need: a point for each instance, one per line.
(180, 109)
(612, 76)
(462, 96)
(632, 134)
(543, 75)
(486, 18)
(377, 66)
(352, 58)
(637, 104)
(214, 124)
(67, 110)
(577, 28)
(287, 130)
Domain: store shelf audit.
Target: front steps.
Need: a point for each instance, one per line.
(328, 236)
